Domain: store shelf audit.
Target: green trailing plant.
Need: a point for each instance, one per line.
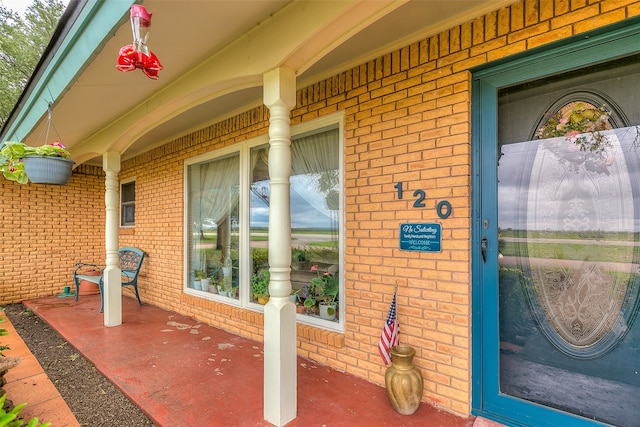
(327, 288)
(310, 301)
(298, 254)
(11, 418)
(3, 333)
(214, 280)
(13, 153)
(260, 258)
(214, 270)
(225, 285)
(322, 289)
(260, 283)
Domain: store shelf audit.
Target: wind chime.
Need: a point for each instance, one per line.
(138, 55)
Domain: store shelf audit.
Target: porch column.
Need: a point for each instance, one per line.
(280, 362)
(112, 280)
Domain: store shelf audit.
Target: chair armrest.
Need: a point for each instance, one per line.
(128, 276)
(79, 265)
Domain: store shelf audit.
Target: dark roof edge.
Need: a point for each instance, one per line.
(66, 22)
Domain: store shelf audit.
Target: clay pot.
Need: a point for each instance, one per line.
(403, 380)
(89, 288)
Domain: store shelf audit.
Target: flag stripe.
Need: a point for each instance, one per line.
(390, 334)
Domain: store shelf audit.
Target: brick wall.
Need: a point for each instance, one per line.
(45, 229)
(407, 120)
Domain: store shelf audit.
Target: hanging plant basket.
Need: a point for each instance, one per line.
(48, 170)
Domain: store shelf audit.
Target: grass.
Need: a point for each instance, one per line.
(571, 251)
(324, 244)
(571, 235)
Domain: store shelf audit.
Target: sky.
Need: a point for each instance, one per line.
(548, 196)
(308, 208)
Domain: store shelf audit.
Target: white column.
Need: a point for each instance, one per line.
(112, 280)
(280, 361)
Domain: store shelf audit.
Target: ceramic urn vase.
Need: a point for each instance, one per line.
(403, 380)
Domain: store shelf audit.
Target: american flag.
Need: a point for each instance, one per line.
(389, 336)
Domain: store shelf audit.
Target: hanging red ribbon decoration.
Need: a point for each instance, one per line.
(138, 55)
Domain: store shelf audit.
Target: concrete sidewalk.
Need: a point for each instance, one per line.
(27, 383)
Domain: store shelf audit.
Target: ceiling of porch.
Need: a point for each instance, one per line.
(214, 54)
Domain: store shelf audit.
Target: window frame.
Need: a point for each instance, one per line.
(243, 150)
(127, 203)
(566, 55)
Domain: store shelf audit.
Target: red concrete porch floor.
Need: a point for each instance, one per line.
(184, 373)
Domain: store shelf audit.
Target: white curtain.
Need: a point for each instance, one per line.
(219, 182)
(214, 195)
(314, 160)
(315, 153)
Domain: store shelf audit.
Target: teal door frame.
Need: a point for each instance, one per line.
(609, 43)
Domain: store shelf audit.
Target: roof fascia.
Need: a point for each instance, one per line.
(95, 23)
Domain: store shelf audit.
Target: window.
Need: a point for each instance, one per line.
(127, 204)
(213, 209)
(228, 217)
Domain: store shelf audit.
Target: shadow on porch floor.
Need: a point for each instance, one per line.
(181, 372)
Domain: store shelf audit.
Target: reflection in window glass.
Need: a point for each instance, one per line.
(217, 197)
(315, 204)
(127, 204)
(213, 213)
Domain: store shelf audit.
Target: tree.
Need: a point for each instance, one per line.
(22, 42)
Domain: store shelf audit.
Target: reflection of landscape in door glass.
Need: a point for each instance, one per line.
(568, 276)
(579, 238)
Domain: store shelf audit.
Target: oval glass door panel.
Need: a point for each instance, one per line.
(580, 242)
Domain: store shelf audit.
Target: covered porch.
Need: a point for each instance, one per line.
(181, 372)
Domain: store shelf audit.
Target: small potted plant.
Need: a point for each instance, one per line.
(225, 286)
(213, 284)
(323, 291)
(197, 280)
(47, 164)
(205, 281)
(327, 302)
(260, 286)
(232, 292)
(294, 295)
(309, 303)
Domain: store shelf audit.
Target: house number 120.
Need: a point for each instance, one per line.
(443, 208)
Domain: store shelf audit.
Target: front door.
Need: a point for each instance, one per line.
(557, 246)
